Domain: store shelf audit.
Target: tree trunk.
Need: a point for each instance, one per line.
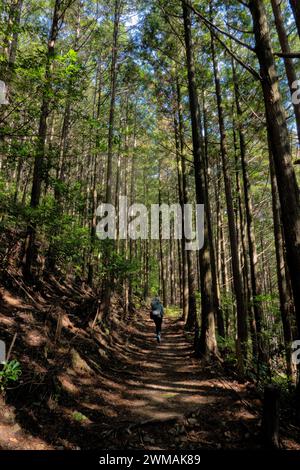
(190, 287)
(237, 277)
(107, 287)
(113, 89)
(280, 147)
(30, 253)
(288, 62)
(296, 10)
(254, 274)
(270, 419)
(181, 178)
(216, 292)
(163, 280)
(284, 288)
(206, 344)
(10, 42)
(94, 192)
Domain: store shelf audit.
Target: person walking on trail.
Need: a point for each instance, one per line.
(157, 313)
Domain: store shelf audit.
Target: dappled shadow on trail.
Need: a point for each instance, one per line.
(128, 391)
(118, 388)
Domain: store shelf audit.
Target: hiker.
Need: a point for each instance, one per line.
(157, 313)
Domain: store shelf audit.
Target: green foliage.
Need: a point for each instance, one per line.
(228, 350)
(173, 312)
(10, 373)
(77, 416)
(69, 241)
(122, 266)
(77, 88)
(283, 383)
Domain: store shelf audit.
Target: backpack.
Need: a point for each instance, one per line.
(156, 310)
(156, 314)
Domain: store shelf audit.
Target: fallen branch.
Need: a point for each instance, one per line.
(22, 288)
(11, 347)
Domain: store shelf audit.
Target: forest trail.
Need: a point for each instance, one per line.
(120, 389)
(171, 401)
(119, 119)
(165, 379)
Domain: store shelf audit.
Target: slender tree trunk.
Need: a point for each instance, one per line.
(10, 42)
(237, 277)
(179, 148)
(220, 253)
(132, 243)
(216, 292)
(296, 10)
(254, 274)
(206, 344)
(245, 261)
(288, 62)
(18, 178)
(172, 272)
(16, 15)
(285, 294)
(94, 192)
(107, 287)
(163, 280)
(280, 146)
(190, 287)
(113, 89)
(30, 253)
(51, 257)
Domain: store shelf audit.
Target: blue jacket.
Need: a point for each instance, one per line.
(156, 305)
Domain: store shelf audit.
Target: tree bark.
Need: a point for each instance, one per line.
(181, 183)
(254, 274)
(206, 344)
(30, 253)
(190, 313)
(163, 277)
(10, 42)
(270, 419)
(280, 147)
(216, 292)
(296, 10)
(288, 62)
(237, 276)
(113, 89)
(284, 288)
(107, 287)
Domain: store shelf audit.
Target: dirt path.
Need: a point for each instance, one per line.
(123, 390)
(167, 400)
(166, 381)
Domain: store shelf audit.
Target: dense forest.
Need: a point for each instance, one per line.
(164, 103)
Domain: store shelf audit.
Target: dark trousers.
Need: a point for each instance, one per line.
(158, 322)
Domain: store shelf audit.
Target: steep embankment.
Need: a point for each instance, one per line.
(116, 388)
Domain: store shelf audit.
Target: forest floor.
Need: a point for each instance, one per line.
(118, 388)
